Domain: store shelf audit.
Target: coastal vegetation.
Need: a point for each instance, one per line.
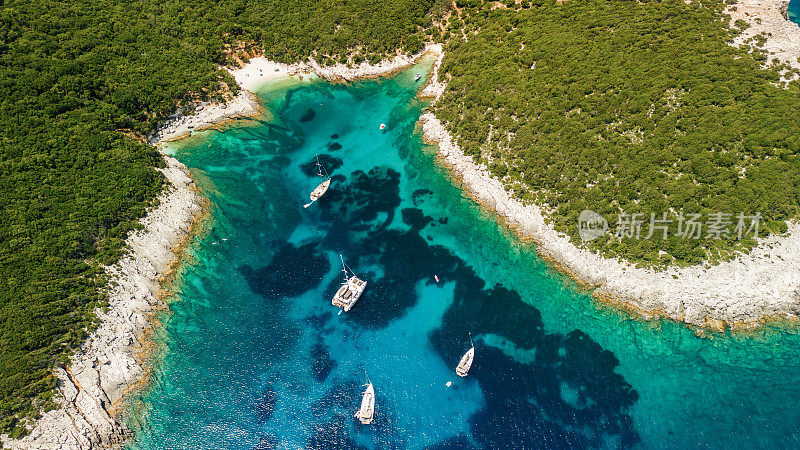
(81, 83)
(627, 108)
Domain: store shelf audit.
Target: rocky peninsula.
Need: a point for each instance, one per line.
(92, 388)
(761, 286)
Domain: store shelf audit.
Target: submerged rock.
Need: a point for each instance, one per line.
(265, 406)
(308, 116)
(322, 364)
(330, 163)
(333, 434)
(292, 272)
(415, 218)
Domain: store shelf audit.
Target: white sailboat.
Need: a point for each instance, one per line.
(367, 411)
(350, 291)
(466, 361)
(320, 190)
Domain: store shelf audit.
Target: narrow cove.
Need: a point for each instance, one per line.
(253, 355)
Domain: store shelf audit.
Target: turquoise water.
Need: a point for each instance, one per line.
(794, 11)
(253, 355)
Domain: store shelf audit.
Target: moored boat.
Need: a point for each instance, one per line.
(383, 125)
(350, 291)
(322, 188)
(466, 361)
(367, 411)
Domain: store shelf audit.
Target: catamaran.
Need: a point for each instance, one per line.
(350, 291)
(320, 190)
(466, 361)
(367, 411)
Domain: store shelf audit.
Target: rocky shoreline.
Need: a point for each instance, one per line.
(769, 19)
(204, 115)
(259, 71)
(761, 286)
(93, 387)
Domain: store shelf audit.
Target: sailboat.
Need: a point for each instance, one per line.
(367, 411)
(417, 77)
(383, 125)
(320, 190)
(466, 361)
(350, 291)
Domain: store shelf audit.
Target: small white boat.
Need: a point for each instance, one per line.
(350, 291)
(466, 361)
(416, 78)
(383, 125)
(436, 277)
(367, 411)
(322, 188)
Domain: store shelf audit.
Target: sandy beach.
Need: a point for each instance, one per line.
(259, 71)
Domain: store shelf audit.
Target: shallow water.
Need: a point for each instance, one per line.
(253, 355)
(794, 11)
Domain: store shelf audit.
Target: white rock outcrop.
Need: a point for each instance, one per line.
(768, 18)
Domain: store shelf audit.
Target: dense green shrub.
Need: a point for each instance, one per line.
(620, 106)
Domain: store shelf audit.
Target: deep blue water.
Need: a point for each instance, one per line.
(253, 355)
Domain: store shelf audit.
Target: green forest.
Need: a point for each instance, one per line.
(625, 108)
(614, 106)
(77, 78)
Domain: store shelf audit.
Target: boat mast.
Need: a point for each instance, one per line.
(344, 267)
(321, 169)
(470, 340)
